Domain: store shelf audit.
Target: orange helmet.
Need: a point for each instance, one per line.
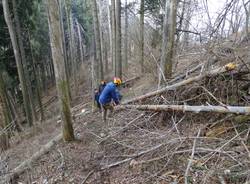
(117, 80)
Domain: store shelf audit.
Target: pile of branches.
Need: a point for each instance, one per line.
(195, 130)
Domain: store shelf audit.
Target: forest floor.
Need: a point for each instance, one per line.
(145, 147)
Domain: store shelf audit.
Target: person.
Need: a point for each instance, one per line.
(102, 86)
(109, 97)
(98, 93)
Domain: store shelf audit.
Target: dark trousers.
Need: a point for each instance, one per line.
(105, 108)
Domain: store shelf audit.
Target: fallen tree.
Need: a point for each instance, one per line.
(27, 163)
(13, 174)
(212, 73)
(188, 108)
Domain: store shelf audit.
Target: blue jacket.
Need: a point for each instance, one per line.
(109, 92)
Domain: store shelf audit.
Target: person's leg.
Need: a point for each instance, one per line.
(104, 113)
(111, 110)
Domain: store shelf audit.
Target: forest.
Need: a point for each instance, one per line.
(124, 92)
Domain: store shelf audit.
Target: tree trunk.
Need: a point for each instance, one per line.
(105, 30)
(24, 61)
(59, 67)
(4, 117)
(126, 38)
(37, 84)
(165, 39)
(118, 40)
(188, 108)
(181, 21)
(113, 25)
(187, 25)
(142, 36)
(20, 69)
(169, 28)
(80, 42)
(72, 43)
(97, 41)
(61, 4)
(247, 10)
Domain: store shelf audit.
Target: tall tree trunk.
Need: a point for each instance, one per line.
(171, 43)
(97, 40)
(142, 36)
(105, 30)
(61, 5)
(118, 40)
(20, 70)
(6, 109)
(183, 10)
(126, 38)
(37, 84)
(80, 42)
(169, 29)
(246, 6)
(187, 24)
(72, 43)
(24, 61)
(4, 140)
(59, 67)
(113, 25)
(106, 56)
(110, 55)
(16, 116)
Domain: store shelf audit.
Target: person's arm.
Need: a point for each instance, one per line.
(115, 97)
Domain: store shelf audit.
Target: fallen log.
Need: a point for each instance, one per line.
(184, 75)
(176, 85)
(188, 108)
(28, 163)
(129, 81)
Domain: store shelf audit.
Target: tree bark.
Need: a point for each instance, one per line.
(20, 69)
(188, 108)
(59, 67)
(113, 28)
(72, 44)
(247, 12)
(118, 40)
(4, 141)
(5, 118)
(181, 21)
(37, 84)
(165, 38)
(99, 70)
(126, 38)
(24, 62)
(171, 40)
(142, 36)
(61, 4)
(80, 42)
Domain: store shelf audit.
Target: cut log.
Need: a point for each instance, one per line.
(212, 73)
(188, 108)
